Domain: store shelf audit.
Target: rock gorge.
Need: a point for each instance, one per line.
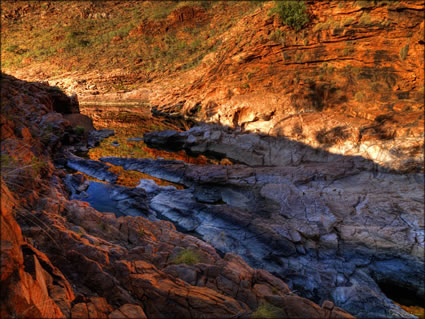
(204, 159)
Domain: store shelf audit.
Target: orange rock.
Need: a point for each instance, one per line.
(128, 311)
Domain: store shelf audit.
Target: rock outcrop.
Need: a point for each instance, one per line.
(351, 81)
(62, 258)
(324, 223)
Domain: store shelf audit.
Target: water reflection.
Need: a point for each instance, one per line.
(130, 124)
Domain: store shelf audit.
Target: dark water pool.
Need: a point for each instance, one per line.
(98, 196)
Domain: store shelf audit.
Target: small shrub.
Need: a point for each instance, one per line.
(299, 56)
(278, 36)
(103, 226)
(385, 23)
(141, 232)
(12, 48)
(187, 256)
(37, 165)
(359, 96)
(76, 39)
(364, 3)
(348, 21)
(349, 49)
(162, 11)
(7, 162)
(365, 19)
(332, 136)
(322, 26)
(79, 130)
(267, 311)
(403, 52)
(206, 4)
(297, 129)
(292, 13)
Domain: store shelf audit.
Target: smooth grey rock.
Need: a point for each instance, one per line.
(331, 227)
(135, 139)
(92, 168)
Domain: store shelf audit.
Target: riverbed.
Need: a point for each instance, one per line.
(219, 209)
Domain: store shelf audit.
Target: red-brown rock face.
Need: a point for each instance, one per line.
(31, 286)
(351, 81)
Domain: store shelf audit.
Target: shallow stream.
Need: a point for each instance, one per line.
(129, 124)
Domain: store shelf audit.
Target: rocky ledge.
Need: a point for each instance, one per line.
(333, 227)
(62, 258)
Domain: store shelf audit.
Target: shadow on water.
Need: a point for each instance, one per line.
(404, 297)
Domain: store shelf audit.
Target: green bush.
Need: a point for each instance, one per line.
(187, 256)
(360, 96)
(292, 13)
(365, 19)
(403, 52)
(267, 311)
(7, 161)
(141, 232)
(79, 130)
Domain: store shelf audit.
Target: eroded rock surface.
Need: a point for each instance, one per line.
(62, 258)
(333, 227)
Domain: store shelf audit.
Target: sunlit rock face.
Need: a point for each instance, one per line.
(350, 81)
(342, 83)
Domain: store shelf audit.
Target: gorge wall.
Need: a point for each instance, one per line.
(350, 81)
(348, 86)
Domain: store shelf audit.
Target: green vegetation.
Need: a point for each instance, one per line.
(79, 130)
(365, 19)
(299, 56)
(328, 24)
(7, 162)
(16, 173)
(37, 165)
(403, 52)
(141, 232)
(293, 13)
(370, 3)
(347, 21)
(364, 3)
(325, 70)
(137, 36)
(349, 49)
(187, 256)
(278, 36)
(268, 311)
(359, 96)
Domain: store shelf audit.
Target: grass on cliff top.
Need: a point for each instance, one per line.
(83, 36)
